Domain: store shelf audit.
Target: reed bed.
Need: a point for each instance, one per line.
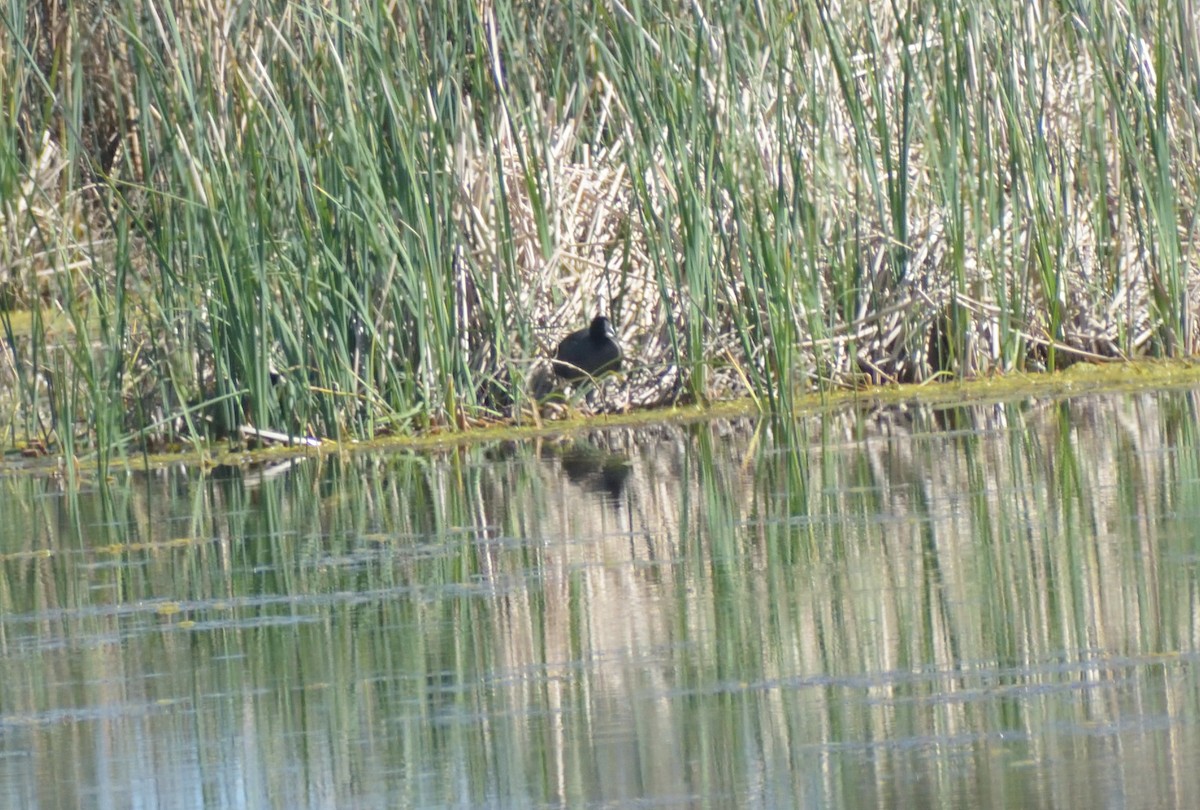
(343, 219)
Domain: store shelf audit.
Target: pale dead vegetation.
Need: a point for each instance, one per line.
(916, 246)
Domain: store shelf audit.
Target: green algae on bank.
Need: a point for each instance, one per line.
(1081, 378)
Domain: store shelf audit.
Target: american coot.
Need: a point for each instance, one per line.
(588, 352)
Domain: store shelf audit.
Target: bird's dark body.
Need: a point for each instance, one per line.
(589, 352)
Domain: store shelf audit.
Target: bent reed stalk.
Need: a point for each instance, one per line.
(345, 219)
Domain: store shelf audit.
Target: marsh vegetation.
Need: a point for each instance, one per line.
(344, 219)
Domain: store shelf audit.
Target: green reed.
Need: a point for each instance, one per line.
(273, 222)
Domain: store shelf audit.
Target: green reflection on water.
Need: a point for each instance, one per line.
(987, 606)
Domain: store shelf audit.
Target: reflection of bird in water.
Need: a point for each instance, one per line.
(596, 470)
(613, 475)
(588, 352)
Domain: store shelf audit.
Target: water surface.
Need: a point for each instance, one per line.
(990, 605)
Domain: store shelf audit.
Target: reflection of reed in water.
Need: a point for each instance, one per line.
(911, 590)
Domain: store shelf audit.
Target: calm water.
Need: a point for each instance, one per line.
(981, 606)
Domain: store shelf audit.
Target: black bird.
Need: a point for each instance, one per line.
(588, 352)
